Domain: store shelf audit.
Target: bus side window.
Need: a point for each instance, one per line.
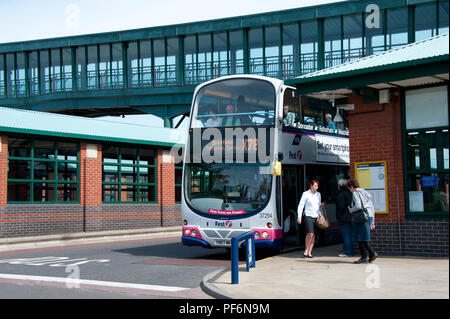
(291, 108)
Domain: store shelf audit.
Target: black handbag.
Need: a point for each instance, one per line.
(360, 216)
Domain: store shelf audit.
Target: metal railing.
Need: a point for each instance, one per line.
(167, 75)
(249, 239)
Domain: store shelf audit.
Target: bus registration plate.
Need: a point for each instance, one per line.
(223, 242)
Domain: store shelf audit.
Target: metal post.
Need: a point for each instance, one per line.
(249, 237)
(234, 261)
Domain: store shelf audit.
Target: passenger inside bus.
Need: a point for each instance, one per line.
(288, 117)
(231, 119)
(214, 120)
(329, 120)
(220, 184)
(243, 107)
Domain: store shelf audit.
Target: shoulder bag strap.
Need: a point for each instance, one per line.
(360, 199)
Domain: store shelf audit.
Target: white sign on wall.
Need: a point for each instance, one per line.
(332, 149)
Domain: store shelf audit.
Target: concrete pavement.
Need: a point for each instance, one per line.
(17, 243)
(327, 276)
(290, 275)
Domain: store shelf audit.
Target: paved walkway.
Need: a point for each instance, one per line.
(290, 275)
(18, 243)
(326, 276)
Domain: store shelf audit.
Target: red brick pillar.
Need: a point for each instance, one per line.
(166, 187)
(90, 175)
(3, 169)
(376, 135)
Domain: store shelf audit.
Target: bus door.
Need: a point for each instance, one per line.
(292, 189)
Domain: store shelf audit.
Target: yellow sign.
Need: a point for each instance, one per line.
(276, 168)
(372, 176)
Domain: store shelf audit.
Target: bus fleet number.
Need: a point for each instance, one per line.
(266, 215)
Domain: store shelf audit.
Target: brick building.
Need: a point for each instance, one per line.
(64, 174)
(399, 117)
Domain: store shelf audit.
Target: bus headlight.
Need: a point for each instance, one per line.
(265, 235)
(257, 235)
(187, 232)
(194, 233)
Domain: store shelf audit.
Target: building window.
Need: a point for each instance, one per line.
(333, 41)
(309, 47)
(397, 27)
(427, 155)
(291, 50)
(129, 174)
(42, 171)
(425, 21)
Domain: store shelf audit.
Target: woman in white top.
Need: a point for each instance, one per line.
(213, 121)
(311, 202)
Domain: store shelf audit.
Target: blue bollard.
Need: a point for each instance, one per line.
(249, 238)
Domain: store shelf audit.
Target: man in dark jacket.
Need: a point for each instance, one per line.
(344, 200)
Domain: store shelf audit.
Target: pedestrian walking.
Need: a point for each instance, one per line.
(310, 203)
(344, 219)
(362, 199)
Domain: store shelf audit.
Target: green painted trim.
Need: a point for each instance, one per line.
(320, 45)
(27, 80)
(123, 203)
(41, 203)
(32, 181)
(404, 134)
(152, 57)
(73, 56)
(15, 74)
(5, 77)
(246, 51)
(404, 157)
(97, 68)
(106, 98)
(119, 184)
(411, 24)
(181, 61)
(84, 137)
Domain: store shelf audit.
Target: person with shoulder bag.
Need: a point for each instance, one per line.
(344, 218)
(362, 207)
(310, 202)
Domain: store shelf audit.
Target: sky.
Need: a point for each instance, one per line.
(23, 20)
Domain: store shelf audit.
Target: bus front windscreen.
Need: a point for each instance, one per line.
(227, 189)
(235, 102)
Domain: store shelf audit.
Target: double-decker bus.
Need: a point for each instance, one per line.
(253, 144)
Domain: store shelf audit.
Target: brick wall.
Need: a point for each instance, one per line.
(3, 169)
(376, 135)
(18, 220)
(90, 176)
(170, 213)
(423, 237)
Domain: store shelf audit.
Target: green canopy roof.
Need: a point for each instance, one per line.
(426, 61)
(57, 125)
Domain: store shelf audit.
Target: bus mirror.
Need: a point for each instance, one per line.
(276, 168)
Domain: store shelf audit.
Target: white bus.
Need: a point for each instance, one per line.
(253, 144)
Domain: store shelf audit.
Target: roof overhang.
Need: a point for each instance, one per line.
(404, 75)
(404, 67)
